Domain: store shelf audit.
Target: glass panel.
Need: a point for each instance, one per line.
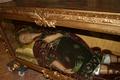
(63, 50)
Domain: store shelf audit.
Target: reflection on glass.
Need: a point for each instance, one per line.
(60, 50)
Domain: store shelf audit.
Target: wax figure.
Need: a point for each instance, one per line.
(68, 53)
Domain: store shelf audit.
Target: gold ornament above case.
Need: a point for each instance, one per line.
(105, 22)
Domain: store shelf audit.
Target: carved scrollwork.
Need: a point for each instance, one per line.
(41, 20)
(49, 17)
(109, 22)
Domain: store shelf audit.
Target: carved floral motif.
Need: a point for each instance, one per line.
(108, 22)
(48, 17)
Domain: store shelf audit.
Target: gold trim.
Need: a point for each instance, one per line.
(65, 14)
(43, 22)
(52, 17)
(52, 75)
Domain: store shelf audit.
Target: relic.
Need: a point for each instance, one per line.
(66, 53)
(61, 41)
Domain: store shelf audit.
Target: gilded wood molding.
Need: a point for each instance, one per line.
(52, 75)
(52, 17)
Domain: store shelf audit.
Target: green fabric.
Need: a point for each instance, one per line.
(78, 66)
(29, 59)
(26, 50)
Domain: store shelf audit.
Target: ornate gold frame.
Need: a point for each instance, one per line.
(103, 22)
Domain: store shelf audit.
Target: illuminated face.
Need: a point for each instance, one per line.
(28, 37)
(25, 38)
